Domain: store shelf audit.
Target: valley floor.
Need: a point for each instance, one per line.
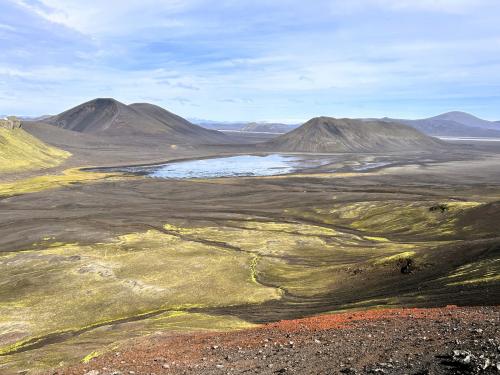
(90, 261)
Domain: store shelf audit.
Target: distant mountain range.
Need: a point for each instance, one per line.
(106, 131)
(326, 134)
(250, 127)
(454, 124)
(105, 118)
(34, 118)
(268, 127)
(110, 118)
(451, 124)
(219, 125)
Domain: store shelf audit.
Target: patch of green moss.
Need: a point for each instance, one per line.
(403, 218)
(486, 271)
(70, 288)
(67, 287)
(392, 219)
(376, 239)
(89, 357)
(395, 257)
(94, 343)
(20, 151)
(40, 183)
(270, 239)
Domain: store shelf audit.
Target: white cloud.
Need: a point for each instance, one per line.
(451, 6)
(6, 27)
(444, 6)
(286, 56)
(249, 62)
(93, 17)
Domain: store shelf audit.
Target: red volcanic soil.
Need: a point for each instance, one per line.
(451, 340)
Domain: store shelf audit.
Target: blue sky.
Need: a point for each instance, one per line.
(280, 60)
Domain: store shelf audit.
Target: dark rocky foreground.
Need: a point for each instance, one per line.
(449, 340)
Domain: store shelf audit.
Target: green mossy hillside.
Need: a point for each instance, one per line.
(20, 151)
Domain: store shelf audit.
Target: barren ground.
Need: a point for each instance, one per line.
(447, 340)
(91, 261)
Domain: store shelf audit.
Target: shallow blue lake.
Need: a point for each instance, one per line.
(240, 166)
(233, 166)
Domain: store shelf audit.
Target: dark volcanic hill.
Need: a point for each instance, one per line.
(176, 126)
(326, 134)
(109, 117)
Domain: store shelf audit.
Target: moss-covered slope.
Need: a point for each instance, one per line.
(20, 151)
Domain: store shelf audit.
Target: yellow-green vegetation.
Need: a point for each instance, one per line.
(396, 257)
(98, 341)
(304, 260)
(20, 151)
(304, 280)
(301, 229)
(376, 239)
(40, 183)
(70, 288)
(271, 239)
(480, 272)
(393, 218)
(140, 283)
(403, 218)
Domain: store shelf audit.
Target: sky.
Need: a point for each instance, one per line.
(255, 60)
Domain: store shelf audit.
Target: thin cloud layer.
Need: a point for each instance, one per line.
(257, 60)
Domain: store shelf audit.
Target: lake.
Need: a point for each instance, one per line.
(230, 166)
(247, 166)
